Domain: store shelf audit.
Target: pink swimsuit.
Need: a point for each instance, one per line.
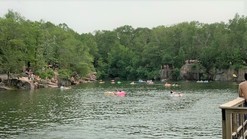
(121, 94)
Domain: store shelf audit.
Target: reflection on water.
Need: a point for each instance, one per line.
(148, 111)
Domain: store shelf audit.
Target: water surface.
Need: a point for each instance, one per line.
(84, 112)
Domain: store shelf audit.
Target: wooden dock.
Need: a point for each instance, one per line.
(234, 119)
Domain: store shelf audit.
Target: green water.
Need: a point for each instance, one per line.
(84, 112)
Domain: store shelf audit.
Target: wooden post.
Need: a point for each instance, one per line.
(228, 124)
(223, 123)
(235, 123)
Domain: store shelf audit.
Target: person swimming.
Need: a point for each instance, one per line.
(174, 94)
(121, 93)
(108, 93)
(62, 87)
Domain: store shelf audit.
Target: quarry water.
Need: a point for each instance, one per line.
(84, 112)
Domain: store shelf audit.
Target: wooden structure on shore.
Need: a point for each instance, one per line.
(234, 119)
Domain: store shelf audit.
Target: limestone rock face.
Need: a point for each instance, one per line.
(19, 84)
(230, 74)
(165, 72)
(191, 70)
(240, 74)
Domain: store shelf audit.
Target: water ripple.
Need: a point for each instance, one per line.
(146, 112)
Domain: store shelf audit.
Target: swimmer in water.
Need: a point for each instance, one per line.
(176, 94)
(64, 88)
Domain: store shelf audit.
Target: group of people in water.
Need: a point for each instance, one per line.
(242, 91)
(121, 93)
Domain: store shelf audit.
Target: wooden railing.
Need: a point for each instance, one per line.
(234, 119)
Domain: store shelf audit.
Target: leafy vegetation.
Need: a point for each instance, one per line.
(124, 52)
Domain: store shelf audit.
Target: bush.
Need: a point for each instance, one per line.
(45, 73)
(64, 73)
(175, 73)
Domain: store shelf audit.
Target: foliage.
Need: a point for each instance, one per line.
(45, 73)
(41, 44)
(175, 74)
(64, 73)
(125, 52)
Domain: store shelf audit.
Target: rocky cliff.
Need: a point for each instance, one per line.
(193, 71)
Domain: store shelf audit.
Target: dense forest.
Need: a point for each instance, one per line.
(125, 52)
